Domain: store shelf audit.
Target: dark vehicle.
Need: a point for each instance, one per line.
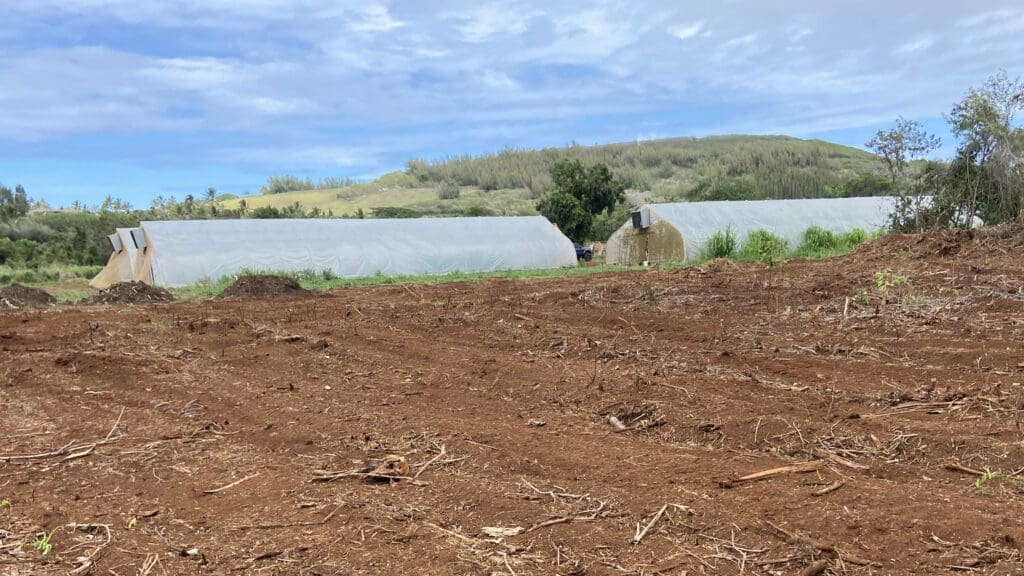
(583, 252)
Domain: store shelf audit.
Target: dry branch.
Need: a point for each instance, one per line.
(423, 468)
(71, 450)
(641, 533)
(801, 468)
(231, 485)
(830, 488)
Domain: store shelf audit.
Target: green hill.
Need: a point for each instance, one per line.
(674, 169)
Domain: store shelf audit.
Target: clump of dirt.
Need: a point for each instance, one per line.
(16, 297)
(939, 244)
(130, 293)
(263, 286)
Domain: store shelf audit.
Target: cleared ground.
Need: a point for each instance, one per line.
(594, 425)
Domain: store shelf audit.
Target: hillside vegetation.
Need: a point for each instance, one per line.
(511, 181)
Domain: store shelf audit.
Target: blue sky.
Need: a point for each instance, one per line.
(165, 97)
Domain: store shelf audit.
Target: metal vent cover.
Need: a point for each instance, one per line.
(139, 239)
(115, 242)
(641, 219)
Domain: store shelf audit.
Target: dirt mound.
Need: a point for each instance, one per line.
(130, 293)
(944, 244)
(263, 286)
(16, 297)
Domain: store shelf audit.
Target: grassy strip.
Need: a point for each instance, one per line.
(325, 281)
(44, 275)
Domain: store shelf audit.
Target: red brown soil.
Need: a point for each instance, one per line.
(263, 286)
(130, 293)
(714, 374)
(16, 297)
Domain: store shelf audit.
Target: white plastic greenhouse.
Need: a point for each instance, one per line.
(679, 232)
(177, 253)
(121, 264)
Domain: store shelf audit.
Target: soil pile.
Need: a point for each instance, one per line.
(16, 297)
(130, 293)
(263, 286)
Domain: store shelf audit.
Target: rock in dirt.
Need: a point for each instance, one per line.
(16, 297)
(390, 466)
(263, 286)
(130, 293)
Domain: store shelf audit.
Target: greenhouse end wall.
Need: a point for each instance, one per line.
(658, 244)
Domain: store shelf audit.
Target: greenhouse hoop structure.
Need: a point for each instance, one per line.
(121, 264)
(679, 232)
(183, 252)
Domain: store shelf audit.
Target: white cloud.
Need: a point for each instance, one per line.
(299, 157)
(375, 18)
(741, 41)
(489, 21)
(191, 74)
(496, 79)
(914, 46)
(685, 32)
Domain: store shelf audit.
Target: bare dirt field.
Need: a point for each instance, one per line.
(603, 425)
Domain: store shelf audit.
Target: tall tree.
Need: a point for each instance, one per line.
(578, 195)
(21, 201)
(901, 144)
(990, 154)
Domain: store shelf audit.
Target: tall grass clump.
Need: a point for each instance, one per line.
(821, 243)
(856, 237)
(818, 239)
(721, 244)
(763, 246)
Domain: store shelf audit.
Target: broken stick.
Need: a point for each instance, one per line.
(641, 533)
(802, 468)
(232, 485)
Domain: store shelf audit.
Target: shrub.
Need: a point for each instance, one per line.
(817, 240)
(721, 244)
(764, 246)
(449, 190)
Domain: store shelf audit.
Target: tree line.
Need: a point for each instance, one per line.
(984, 181)
(77, 236)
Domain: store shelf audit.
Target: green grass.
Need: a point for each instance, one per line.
(311, 280)
(44, 275)
(721, 244)
(424, 199)
(819, 243)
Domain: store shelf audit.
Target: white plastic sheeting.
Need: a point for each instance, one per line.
(186, 252)
(696, 222)
(121, 264)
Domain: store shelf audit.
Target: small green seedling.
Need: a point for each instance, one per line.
(886, 280)
(5, 506)
(43, 542)
(132, 522)
(981, 484)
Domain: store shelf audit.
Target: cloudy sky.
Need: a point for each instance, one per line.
(138, 98)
